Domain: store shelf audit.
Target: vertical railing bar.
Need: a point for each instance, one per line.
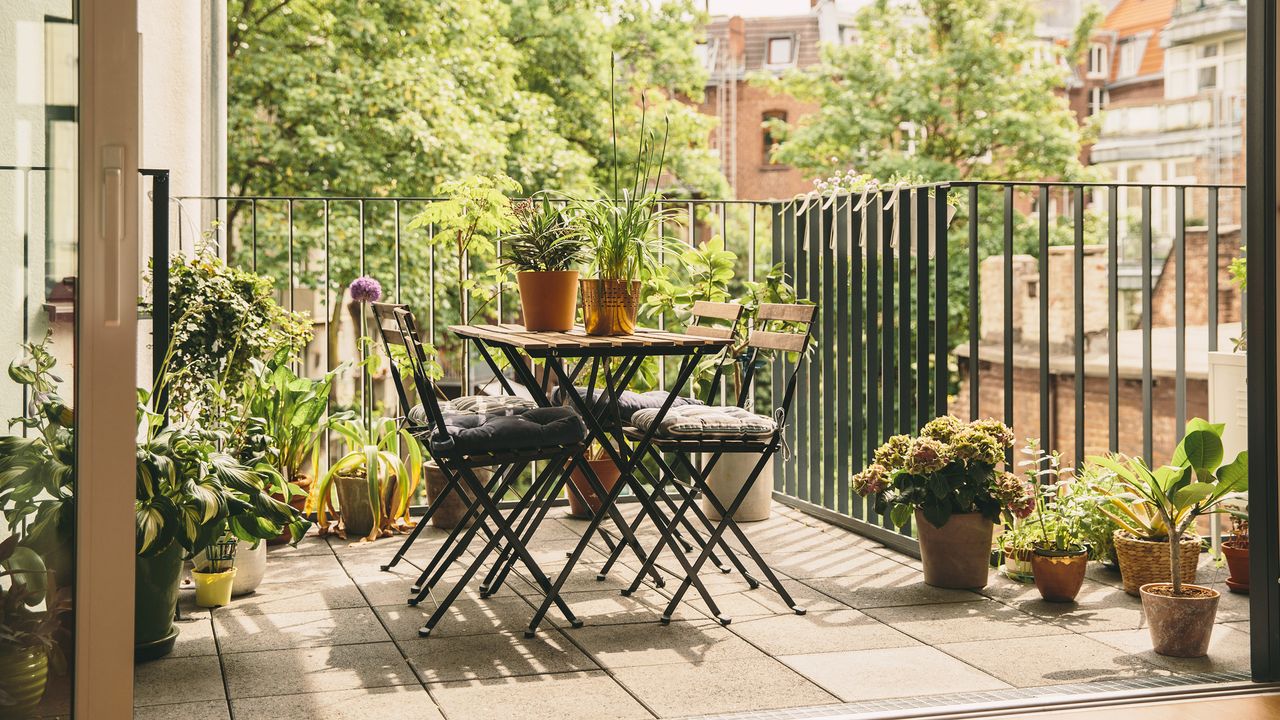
(857, 379)
(1147, 380)
(751, 277)
(1180, 312)
(942, 325)
(922, 374)
(809, 465)
(906, 228)
(975, 307)
(1078, 314)
(889, 372)
(396, 243)
(1046, 440)
(253, 215)
(662, 320)
(328, 311)
(1212, 270)
(871, 246)
(1113, 318)
(823, 377)
(776, 231)
(838, 376)
(291, 282)
(1008, 311)
(793, 257)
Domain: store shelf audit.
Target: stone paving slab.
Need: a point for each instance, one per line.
(310, 670)
(572, 696)
(494, 655)
(1049, 660)
(859, 675)
(250, 632)
(409, 702)
(724, 686)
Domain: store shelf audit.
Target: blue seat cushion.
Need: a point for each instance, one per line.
(534, 429)
(629, 402)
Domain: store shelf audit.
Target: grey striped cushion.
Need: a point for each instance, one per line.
(696, 421)
(475, 405)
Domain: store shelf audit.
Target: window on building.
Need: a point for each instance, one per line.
(1130, 58)
(1194, 69)
(770, 138)
(1097, 100)
(1097, 67)
(780, 51)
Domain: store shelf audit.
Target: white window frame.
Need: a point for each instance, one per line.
(1129, 58)
(1098, 99)
(1097, 66)
(768, 51)
(1184, 65)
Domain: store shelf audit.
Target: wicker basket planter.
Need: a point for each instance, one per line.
(1145, 561)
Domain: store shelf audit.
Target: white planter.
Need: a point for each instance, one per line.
(250, 564)
(726, 480)
(1229, 404)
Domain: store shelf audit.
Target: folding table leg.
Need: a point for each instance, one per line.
(452, 548)
(547, 484)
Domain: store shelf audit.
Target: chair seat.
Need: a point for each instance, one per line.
(628, 402)
(474, 405)
(698, 422)
(532, 429)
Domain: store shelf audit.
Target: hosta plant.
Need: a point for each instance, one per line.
(387, 461)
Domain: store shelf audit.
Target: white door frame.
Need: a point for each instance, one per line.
(106, 332)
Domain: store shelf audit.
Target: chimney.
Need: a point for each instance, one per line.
(737, 42)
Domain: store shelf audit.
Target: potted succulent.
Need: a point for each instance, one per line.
(31, 609)
(1059, 557)
(947, 479)
(373, 484)
(1195, 483)
(543, 249)
(1236, 550)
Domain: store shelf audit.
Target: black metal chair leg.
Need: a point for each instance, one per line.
(548, 486)
(452, 548)
(688, 496)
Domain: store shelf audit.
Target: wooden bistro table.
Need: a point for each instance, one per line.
(610, 364)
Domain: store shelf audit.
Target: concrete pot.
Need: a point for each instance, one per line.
(450, 512)
(958, 554)
(1180, 626)
(726, 479)
(1059, 575)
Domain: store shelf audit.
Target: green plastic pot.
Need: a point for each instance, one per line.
(24, 672)
(156, 603)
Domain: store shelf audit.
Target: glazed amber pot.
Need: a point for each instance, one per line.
(1059, 573)
(548, 299)
(609, 306)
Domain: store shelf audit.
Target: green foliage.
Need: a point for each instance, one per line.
(31, 604)
(544, 239)
(224, 317)
(1162, 504)
(1091, 486)
(375, 455)
(1060, 515)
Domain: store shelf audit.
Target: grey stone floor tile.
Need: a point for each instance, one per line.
(305, 569)
(1056, 660)
(724, 686)
(824, 564)
(469, 615)
(493, 655)
(401, 702)
(1228, 650)
(251, 632)
(1098, 607)
(615, 646)
(195, 637)
(311, 544)
(818, 632)
(859, 675)
(205, 710)
(178, 680)
(792, 537)
(300, 597)
(340, 667)
(569, 696)
(959, 622)
(609, 607)
(887, 589)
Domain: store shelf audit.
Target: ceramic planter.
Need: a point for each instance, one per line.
(454, 507)
(250, 564)
(958, 554)
(609, 306)
(156, 591)
(24, 674)
(1059, 574)
(1180, 626)
(297, 502)
(1017, 564)
(725, 480)
(548, 300)
(355, 507)
(607, 472)
(213, 589)
(1238, 565)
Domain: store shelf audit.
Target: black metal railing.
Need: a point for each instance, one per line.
(1087, 296)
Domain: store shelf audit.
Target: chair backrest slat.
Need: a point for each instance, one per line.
(789, 330)
(787, 342)
(730, 313)
(718, 333)
(786, 313)
(397, 327)
(718, 310)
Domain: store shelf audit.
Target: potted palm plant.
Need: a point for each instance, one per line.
(543, 249)
(1059, 556)
(1195, 483)
(31, 607)
(946, 478)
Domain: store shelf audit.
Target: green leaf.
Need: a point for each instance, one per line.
(900, 514)
(1200, 449)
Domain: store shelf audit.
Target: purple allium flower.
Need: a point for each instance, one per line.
(365, 289)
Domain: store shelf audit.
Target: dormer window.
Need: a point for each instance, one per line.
(1097, 67)
(780, 51)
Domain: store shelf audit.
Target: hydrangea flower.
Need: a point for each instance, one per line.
(893, 454)
(943, 428)
(1000, 432)
(972, 445)
(873, 480)
(365, 289)
(927, 456)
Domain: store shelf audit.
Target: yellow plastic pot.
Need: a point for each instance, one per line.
(213, 589)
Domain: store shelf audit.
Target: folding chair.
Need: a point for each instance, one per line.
(712, 431)
(460, 443)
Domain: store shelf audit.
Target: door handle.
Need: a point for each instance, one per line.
(112, 231)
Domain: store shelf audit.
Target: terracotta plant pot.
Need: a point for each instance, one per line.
(609, 306)
(1238, 565)
(1180, 626)
(1017, 564)
(450, 512)
(1147, 561)
(1059, 574)
(549, 299)
(608, 473)
(958, 554)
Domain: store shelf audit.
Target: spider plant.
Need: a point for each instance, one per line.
(376, 459)
(544, 239)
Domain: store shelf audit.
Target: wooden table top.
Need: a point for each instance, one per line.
(578, 342)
